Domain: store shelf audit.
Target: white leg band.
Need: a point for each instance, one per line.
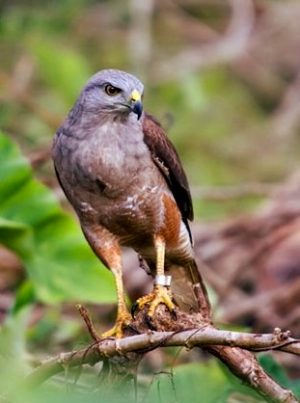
(163, 280)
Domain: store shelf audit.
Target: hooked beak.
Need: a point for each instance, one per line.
(136, 104)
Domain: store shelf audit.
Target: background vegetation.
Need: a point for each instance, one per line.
(224, 80)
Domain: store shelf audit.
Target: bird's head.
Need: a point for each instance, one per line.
(113, 92)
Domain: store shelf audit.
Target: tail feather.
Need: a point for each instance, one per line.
(185, 278)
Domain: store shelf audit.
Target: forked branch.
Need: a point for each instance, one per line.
(230, 347)
(195, 330)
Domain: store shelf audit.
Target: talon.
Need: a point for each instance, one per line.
(149, 321)
(133, 329)
(133, 309)
(160, 295)
(123, 320)
(174, 314)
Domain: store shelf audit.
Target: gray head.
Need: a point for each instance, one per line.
(112, 92)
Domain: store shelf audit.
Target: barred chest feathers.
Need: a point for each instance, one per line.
(114, 153)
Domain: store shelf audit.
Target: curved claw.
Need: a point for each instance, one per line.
(174, 314)
(150, 323)
(159, 295)
(123, 320)
(133, 309)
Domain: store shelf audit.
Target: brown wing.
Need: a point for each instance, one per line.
(167, 159)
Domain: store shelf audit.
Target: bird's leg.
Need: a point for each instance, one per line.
(107, 248)
(161, 293)
(123, 316)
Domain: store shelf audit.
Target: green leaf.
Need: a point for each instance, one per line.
(278, 372)
(189, 383)
(274, 369)
(17, 236)
(13, 366)
(48, 240)
(13, 336)
(24, 296)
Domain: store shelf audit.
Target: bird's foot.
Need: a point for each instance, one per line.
(159, 295)
(123, 319)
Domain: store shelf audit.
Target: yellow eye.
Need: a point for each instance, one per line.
(111, 90)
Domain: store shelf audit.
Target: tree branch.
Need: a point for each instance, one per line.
(224, 344)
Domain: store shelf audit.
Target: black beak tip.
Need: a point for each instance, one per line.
(137, 108)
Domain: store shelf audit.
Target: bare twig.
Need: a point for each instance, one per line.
(89, 324)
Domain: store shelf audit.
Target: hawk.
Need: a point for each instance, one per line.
(125, 181)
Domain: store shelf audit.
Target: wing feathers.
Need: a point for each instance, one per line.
(167, 159)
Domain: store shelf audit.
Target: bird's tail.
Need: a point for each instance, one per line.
(186, 286)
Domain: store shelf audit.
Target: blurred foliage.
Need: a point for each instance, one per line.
(279, 374)
(220, 118)
(207, 382)
(52, 49)
(48, 240)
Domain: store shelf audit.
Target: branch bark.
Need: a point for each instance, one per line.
(229, 347)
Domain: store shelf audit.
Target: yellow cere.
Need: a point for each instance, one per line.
(135, 96)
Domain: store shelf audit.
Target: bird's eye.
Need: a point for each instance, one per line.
(111, 90)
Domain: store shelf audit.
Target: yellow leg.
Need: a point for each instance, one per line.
(107, 248)
(160, 294)
(123, 316)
